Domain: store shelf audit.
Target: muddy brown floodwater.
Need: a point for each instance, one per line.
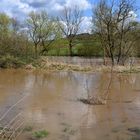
(48, 101)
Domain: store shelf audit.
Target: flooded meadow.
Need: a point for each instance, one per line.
(31, 101)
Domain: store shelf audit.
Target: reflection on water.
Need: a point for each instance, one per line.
(51, 103)
(91, 61)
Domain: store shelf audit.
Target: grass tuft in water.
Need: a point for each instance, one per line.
(66, 130)
(41, 134)
(28, 128)
(135, 130)
(135, 138)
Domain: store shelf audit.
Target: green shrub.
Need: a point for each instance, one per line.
(58, 52)
(9, 61)
(89, 51)
(41, 134)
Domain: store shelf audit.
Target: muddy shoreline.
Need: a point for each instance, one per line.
(49, 65)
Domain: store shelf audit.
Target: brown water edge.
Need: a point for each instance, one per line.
(77, 64)
(51, 104)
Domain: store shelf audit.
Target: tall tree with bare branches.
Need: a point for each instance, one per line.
(69, 23)
(40, 28)
(114, 22)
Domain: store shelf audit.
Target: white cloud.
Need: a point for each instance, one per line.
(57, 7)
(86, 25)
(52, 6)
(133, 15)
(20, 8)
(82, 4)
(15, 8)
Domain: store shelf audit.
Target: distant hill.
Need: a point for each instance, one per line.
(85, 44)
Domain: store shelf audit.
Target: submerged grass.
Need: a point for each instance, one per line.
(40, 134)
(28, 129)
(135, 130)
(135, 138)
(46, 64)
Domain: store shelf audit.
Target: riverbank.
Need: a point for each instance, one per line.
(45, 64)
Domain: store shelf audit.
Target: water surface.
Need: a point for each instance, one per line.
(49, 101)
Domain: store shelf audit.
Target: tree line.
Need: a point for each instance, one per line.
(114, 25)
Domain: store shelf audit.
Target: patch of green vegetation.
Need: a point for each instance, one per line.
(65, 124)
(69, 131)
(83, 45)
(9, 61)
(115, 130)
(28, 128)
(66, 130)
(135, 130)
(58, 52)
(130, 71)
(5, 129)
(41, 134)
(135, 138)
(72, 132)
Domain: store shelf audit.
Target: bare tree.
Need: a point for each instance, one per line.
(125, 29)
(39, 28)
(47, 32)
(70, 24)
(50, 33)
(34, 29)
(113, 23)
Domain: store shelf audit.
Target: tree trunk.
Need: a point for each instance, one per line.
(26, 51)
(112, 57)
(70, 48)
(119, 57)
(104, 56)
(36, 55)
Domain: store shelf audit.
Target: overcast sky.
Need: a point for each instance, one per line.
(20, 8)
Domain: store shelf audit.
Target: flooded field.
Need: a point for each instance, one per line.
(91, 61)
(49, 101)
